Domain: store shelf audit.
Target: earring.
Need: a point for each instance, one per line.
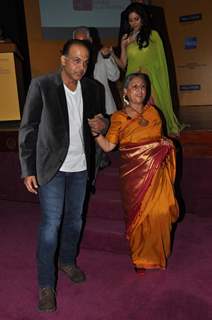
(125, 100)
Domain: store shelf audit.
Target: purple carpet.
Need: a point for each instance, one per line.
(112, 290)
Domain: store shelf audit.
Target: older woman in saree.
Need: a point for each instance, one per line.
(147, 174)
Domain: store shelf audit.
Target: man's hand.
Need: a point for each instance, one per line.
(31, 184)
(106, 51)
(98, 123)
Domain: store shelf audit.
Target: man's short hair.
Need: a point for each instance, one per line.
(69, 43)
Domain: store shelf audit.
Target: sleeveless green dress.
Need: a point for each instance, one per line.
(152, 61)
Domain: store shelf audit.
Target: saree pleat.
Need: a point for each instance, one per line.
(147, 174)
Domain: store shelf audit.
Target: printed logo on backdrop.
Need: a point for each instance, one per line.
(190, 87)
(90, 5)
(83, 5)
(190, 43)
(191, 17)
(192, 65)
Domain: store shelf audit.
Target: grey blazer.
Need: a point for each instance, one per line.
(44, 129)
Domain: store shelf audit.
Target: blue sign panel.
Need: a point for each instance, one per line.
(190, 43)
(191, 17)
(190, 87)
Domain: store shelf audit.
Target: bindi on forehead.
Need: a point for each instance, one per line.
(134, 15)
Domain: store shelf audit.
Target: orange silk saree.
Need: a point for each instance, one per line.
(147, 174)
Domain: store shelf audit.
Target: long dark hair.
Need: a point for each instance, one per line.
(143, 37)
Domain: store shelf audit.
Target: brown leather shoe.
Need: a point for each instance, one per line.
(73, 272)
(47, 300)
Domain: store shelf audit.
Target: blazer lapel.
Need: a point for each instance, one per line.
(87, 108)
(62, 99)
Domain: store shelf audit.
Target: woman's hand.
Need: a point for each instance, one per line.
(124, 41)
(100, 139)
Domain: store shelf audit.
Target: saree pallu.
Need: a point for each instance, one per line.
(152, 61)
(147, 174)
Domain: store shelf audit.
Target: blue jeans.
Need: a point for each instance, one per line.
(61, 202)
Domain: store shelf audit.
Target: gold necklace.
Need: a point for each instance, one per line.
(142, 121)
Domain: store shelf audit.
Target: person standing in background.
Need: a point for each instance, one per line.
(104, 69)
(157, 22)
(142, 50)
(156, 18)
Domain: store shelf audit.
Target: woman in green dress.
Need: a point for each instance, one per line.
(142, 50)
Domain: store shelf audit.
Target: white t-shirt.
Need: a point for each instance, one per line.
(75, 159)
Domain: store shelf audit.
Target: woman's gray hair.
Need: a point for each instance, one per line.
(142, 76)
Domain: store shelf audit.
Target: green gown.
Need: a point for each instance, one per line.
(151, 60)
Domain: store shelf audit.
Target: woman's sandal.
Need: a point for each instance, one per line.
(140, 271)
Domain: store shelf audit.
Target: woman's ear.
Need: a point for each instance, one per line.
(124, 92)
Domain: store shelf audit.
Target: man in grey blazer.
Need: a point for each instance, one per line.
(56, 159)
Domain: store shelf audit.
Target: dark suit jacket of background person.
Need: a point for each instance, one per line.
(44, 129)
(158, 23)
